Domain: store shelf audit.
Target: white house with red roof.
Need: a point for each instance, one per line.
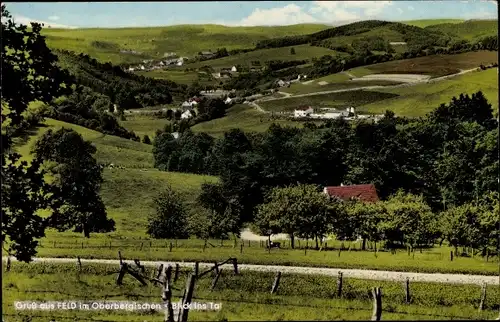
(303, 111)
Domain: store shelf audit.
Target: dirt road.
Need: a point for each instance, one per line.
(348, 273)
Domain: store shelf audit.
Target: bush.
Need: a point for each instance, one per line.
(170, 219)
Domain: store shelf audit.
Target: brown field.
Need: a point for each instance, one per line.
(435, 65)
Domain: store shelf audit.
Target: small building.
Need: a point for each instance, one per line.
(131, 69)
(234, 69)
(303, 111)
(142, 67)
(216, 75)
(361, 192)
(186, 115)
(175, 135)
(180, 63)
(186, 104)
(228, 100)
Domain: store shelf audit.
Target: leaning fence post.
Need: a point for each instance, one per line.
(167, 300)
(216, 278)
(121, 274)
(241, 249)
(483, 297)
(339, 284)
(120, 257)
(170, 247)
(451, 256)
(276, 283)
(407, 291)
(78, 259)
(196, 268)
(377, 303)
(8, 264)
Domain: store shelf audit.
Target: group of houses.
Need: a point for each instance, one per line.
(284, 83)
(308, 111)
(225, 72)
(150, 64)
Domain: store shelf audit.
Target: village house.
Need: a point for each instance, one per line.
(282, 83)
(234, 69)
(303, 111)
(361, 192)
(175, 135)
(228, 100)
(187, 115)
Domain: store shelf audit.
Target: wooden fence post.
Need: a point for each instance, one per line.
(168, 274)
(167, 300)
(339, 285)
(8, 264)
(241, 249)
(483, 297)
(305, 250)
(78, 259)
(82, 245)
(204, 246)
(183, 316)
(160, 270)
(170, 247)
(340, 250)
(276, 283)
(142, 244)
(121, 274)
(451, 256)
(110, 244)
(176, 243)
(176, 275)
(196, 268)
(120, 257)
(150, 243)
(216, 268)
(407, 291)
(377, 303)
(216, 278)
(235, 264)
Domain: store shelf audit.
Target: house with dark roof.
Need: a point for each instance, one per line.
(362, 192)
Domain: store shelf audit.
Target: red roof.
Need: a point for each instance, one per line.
(363, 192)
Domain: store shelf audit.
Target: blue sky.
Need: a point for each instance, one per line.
(235, 13)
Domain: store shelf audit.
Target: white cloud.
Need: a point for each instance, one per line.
(411, 8)
(26, 21)
(287, 15)
(348, 11)
(400, 11)
(54, 18)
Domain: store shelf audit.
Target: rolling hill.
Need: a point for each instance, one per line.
(468, 30)
(422, 23)
(107, 44)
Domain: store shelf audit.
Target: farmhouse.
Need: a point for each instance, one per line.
(228, 100)
(303, 111)
(175, 135)
(234, 69)
(186, 115)
(282, 83)
(361, 192)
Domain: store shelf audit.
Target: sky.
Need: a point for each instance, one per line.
(240, 13)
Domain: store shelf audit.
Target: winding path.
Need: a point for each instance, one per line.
(348, 273)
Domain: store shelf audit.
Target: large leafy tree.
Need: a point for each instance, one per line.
(362, 220)
(170, 219)
(30, 73)
(300, 210)
(78, 178)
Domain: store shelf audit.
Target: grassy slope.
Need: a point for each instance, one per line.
(154, 41)
(127, 193)
(470, 29)
(242, 297)
(302, 52)
(240, 116)
(144, 125)
(421, 99)
(435, 65)
(178, 76)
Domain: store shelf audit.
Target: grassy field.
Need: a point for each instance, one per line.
(188, 40)
(243, 117)
(422, 23)
(302, 52)
(469, 30)
(335, 82)
(420, 99)
(245, 296)
(144, 124)
(332, 100)
(435, 65)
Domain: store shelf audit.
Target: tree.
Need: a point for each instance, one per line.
(292, 51)
(363, 220)
(146, 139)
(78, 178)
(297, 211)
(33, 75)
(223, 214)
(170, 219)
(409, 220)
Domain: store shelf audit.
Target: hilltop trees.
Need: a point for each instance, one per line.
(33, 75)
(78, 179)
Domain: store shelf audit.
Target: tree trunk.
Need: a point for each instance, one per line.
(292, 241)
(316, 238)
(363, 246)
(86, 230)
